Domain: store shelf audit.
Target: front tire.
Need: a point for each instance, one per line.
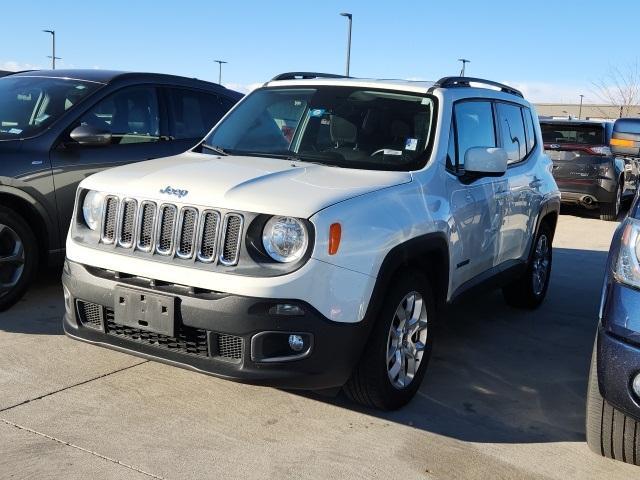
(529, 290)
(395, 360)
(18, 257)
(610, 432)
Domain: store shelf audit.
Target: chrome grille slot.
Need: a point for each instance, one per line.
(127, 222)
(232, 237)
(146, 224)
(186, 232)
(165, 230)
(208, 236)
(109, 219)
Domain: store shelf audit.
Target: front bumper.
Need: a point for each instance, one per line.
(204, 319)
(618, 348)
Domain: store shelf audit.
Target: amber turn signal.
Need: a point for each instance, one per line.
(335, 232)
(620, 142)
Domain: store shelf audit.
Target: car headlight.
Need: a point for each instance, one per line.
(627, 269)
(92, 208)
(285, 239)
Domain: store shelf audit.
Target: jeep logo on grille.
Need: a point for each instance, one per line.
(174, 191)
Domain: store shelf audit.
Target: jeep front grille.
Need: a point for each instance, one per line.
(186, 233)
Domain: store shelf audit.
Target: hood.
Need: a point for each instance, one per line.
(252, 184)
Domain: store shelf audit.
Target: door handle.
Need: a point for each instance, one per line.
(535, 183)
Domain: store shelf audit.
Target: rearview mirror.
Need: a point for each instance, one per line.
(625, 140)
(486, 161)
(88, 135)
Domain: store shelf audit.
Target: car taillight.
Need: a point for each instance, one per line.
(600, 150)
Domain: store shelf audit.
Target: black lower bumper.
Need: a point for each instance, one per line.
(587, 192)
(229, 336)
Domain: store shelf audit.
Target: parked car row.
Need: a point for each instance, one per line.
(58, 127)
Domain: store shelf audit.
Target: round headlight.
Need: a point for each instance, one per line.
(285, 239)
(92, 208)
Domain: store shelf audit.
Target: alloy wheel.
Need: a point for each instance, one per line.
(406, 340)
(541, 262)
(12, 259)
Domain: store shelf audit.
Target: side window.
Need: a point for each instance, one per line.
(194, 113)
(130, 114)
(512, 131)
(474, 125)
(531, 133)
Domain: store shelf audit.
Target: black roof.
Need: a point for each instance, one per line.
(109, 76)
(4, 73)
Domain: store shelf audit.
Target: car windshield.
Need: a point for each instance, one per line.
(341, 126)
(28, 105)
(574, 134)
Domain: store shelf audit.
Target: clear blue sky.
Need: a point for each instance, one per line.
(552, 49)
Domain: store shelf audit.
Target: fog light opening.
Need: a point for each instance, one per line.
(636, 385)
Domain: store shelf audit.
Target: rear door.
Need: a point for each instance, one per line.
(192, 113)
(134, 117)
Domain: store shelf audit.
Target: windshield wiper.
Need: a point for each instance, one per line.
(213, 148)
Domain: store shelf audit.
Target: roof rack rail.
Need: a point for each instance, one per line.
(305, 76)
(452, 82)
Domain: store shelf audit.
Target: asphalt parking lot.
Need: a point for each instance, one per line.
(504, 398)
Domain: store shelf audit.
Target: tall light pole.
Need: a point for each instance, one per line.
(580, 111)
(220, 62)
(350, 18)
(53, 48)
(464, 63)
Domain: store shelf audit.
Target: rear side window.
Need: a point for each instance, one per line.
(474, 127)
(194, 113)
(512, 134)
(573, 134)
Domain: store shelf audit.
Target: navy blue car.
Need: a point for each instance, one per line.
(613, 404)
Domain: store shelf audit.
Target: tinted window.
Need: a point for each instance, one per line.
(512, 131)
(531, 134)
(28, 105)
(474, 124)
(575, 134)
(194, 113)
(131, 115)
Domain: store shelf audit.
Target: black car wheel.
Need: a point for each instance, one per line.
(18, 257)
(529, 290)
(610, 432)
(396, 357)
(610, 211)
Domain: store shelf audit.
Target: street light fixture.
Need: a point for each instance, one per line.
(350, 18)
(580, 111)
(53, 48)
(220, 62)
(464, 63)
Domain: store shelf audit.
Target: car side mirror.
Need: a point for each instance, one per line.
(486, 161)
(625, 140)
(91, 136)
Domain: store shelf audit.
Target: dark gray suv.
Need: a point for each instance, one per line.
(58, 127)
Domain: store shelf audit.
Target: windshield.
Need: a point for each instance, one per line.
(342, 126)
(28, 105)
(574, 134)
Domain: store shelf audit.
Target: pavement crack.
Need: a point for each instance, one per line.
(77, 447)
(71, 386)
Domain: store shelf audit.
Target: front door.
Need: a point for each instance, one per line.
(133, 117)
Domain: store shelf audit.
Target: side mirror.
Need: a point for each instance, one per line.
(625, 140)
(486, 161)
(88, 135)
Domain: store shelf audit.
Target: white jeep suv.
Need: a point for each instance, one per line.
(317, 233)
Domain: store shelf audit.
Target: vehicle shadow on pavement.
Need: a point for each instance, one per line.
(40, 311)
(503, 375)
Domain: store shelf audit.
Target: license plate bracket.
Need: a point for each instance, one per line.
(140, 309)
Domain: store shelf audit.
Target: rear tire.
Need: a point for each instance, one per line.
(610, 211)
(610, 432)
(18, 257)
(395, 359)
(529, 290)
